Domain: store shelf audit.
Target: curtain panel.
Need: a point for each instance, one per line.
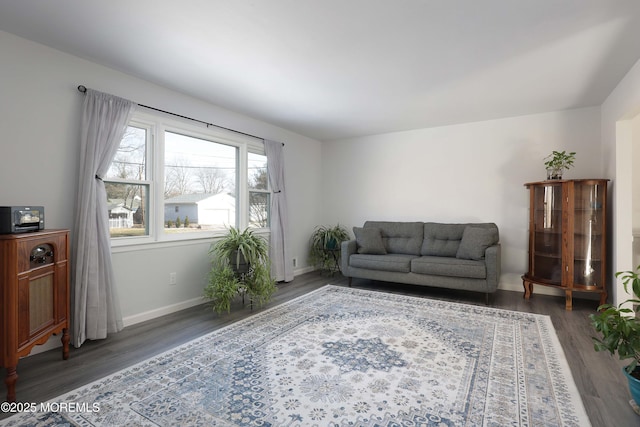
(281, 262)
(95, 304)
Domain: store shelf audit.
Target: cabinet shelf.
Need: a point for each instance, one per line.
(548, 255)
(567, 237)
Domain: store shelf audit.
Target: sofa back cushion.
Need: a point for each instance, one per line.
(441, 239)
(400, 237)
(444, 239)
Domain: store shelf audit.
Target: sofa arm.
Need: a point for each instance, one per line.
(347, 248)
(492, 262)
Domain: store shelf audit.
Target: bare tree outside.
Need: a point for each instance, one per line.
(177, 179)
(212, 180)
(259, 196)
(126, 195)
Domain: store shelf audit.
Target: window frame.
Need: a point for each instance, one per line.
(156, 125)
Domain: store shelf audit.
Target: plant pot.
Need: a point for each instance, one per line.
(332, 244)
(634, 384)
(554, 173)
(238, 268)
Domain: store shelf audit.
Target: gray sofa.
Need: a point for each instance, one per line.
(455, 256)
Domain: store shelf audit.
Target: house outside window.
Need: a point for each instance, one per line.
(177, 180)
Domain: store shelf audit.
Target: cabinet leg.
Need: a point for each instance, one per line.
(528, 289)
(65, 343)
(10, 381)
(603, 297)
(568, 300)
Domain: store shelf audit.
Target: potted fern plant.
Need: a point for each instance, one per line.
(324, 251)
(241, 248)
(239, 265)
(619, 329)
(557, 162)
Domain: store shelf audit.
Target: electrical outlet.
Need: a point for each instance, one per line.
(173, 278)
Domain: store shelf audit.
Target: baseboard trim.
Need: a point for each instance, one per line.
(54, 341)
(304, 270)
(161, 311)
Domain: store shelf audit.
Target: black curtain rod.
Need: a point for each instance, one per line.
(83, 89)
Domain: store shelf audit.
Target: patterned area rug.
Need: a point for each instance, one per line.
(344, 357)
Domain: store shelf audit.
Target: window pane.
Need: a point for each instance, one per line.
(259, 209)
(130, 159)
(258, 179)
(128, 209)
(200, 184)
(258, 200)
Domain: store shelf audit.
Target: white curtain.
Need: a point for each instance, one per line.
(281, 262)
(96, 308)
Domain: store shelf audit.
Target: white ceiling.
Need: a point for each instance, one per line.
(339, 68)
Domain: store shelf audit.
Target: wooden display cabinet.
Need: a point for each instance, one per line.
(34, 296)
(568, 237)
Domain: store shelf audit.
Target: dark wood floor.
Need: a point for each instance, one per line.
(598, 376)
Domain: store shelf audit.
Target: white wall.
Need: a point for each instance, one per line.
(635, 131)
(39, 118)
(635, 186)
(471, 172)
(619, 142)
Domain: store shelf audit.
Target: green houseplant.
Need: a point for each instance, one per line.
(324, 247)
(239, 265)
(557, 162)
(619, 328)
(241, 248)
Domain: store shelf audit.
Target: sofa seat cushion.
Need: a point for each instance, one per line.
(391, 262)
(451, 267)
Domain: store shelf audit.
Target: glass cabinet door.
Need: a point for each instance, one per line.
(547, 233)
(588, 234)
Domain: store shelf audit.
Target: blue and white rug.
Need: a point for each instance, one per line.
(344, 357)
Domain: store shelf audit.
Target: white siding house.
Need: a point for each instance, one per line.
(201, 209)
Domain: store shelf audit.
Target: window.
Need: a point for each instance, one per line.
(173, 179)
(128, 186)
(200, 178)
(259, 194)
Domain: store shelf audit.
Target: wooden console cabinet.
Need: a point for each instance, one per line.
(34, 296)
(568, 237)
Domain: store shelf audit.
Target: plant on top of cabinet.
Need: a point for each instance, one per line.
(557, 162)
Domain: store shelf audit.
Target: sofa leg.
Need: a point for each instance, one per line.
(350, 278)
(486, 299)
